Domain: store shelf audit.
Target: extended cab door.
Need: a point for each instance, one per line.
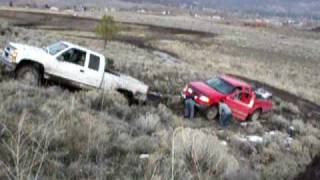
(94, 70)
(240, 104)
(71, 65)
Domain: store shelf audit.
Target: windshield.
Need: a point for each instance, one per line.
(220, 85)
(55, 48)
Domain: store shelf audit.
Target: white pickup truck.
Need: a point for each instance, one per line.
(68, 64)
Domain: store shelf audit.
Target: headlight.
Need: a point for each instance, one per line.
(190, 91)
(204, 99)
(14, 55)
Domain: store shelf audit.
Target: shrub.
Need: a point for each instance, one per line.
(282, 168)
(242, 145)
(255, 128)
(289, 107)
(312, 143)
(147, 123)
(144, 145)
(312, 130)
(279, 122)
(299, 126)
(204, 151)
(242, 174)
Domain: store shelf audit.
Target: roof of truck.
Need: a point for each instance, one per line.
(234, 81)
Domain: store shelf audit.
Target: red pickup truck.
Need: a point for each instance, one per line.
(244, 102)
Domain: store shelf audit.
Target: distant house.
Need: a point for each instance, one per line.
(217, 18)
(54, 8)
(197, 15)
(142, 11)
(166, 13)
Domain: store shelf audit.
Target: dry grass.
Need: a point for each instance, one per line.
(66, 131)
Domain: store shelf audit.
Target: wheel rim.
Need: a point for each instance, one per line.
(255, 116)
(212, 113)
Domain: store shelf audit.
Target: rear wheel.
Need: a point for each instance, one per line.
(255, 115)
(212, 113)
(29, 75)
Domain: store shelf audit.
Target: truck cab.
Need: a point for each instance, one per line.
(75, 65)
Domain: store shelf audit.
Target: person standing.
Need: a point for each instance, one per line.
(225, 114)
(189, 107)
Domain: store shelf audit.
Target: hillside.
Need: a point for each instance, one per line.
(300, 8)
(49, 132)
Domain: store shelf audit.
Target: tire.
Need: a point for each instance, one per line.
(212, 113)
(255, 115)
(29, 75)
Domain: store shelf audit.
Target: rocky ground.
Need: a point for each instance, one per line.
(51, 133)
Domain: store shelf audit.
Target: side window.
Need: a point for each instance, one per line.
(74, 56)
(243, 97)
(94, 62)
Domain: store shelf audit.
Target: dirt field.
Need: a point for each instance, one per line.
(285, 61)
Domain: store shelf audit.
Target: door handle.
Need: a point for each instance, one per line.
(82, 70)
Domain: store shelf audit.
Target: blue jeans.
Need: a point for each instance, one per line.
(225, 119)
(189, 108)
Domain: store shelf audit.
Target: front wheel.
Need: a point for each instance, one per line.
(29, 75)
(212, 113)
(255, 115)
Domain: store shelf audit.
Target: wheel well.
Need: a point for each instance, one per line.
(258, 109)
(129, 95)
(27, 62)
(125, 92)
(250, 115)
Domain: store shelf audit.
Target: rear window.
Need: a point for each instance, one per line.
(94, 62)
